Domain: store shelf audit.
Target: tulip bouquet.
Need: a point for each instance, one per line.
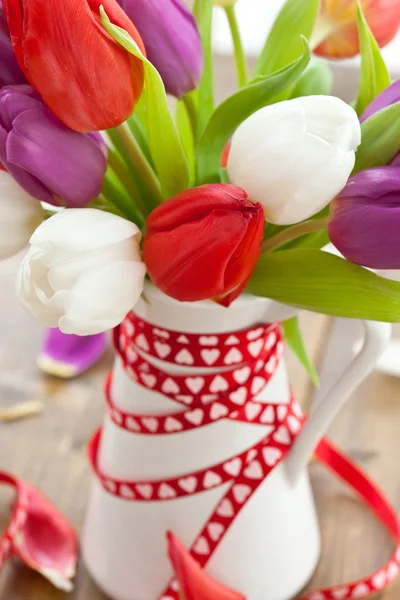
(214, 200)
(111, 182)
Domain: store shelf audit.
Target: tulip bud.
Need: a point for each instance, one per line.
(10, 73)
(172, 41)
(20, 214)
(83, 272)
(48, 159)
(365, 218)
(87, 79)
(204, 243)
(339, 19)
(293, 157)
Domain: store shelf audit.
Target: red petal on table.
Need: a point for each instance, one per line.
(39, 535)
(195, 583)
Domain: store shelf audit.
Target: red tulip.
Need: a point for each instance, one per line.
(88, 80)
(339, 19)
(195, 583)
(204, 243)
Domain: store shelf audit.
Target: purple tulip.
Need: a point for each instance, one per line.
(389, 96)
(365, 218)
(50, 161)
(10, 73)
(172, 41)
(66, 356)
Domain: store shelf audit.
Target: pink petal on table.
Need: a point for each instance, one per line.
(66, 356)
(195, 583)
(39, 535)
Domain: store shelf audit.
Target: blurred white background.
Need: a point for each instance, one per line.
(256, 18)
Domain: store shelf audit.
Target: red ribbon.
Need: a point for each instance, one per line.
(246, 360)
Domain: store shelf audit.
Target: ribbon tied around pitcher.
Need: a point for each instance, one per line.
(235, 368)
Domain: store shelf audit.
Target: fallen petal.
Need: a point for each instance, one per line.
(70, 355)
(39, 535)
(195, 583)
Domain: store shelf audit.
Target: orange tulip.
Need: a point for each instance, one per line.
(338, 18)
(88, 80)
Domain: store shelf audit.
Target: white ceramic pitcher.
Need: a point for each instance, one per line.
(273, 546)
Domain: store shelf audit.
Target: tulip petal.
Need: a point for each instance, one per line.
(26, 180)
(383, 17)
(204, 243)
(295, 156)
(67, 356)
(389, 96)
(93, 230)
(48, 150)
(172, 41)
(32, 272)
(88, 81)
(102, 297)
(41, 537)
(20, 215)
(14, 100)
(190, 263)
(195, 583)
(64, 271)
(365, 219)
(10, 73)
(195, 203)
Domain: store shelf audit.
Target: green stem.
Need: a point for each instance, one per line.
(104, 203)
(140, 162)
(118, 197)
(240, 57)
(191, 110)
(206, 88)
(128, 181)
(196, 9)
(294, 232)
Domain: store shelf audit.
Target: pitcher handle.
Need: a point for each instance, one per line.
(377, 336)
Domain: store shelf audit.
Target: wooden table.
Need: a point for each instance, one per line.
(49, 451)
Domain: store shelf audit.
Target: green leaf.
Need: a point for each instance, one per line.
(323, 283)
(231, 113)
(374, 76)
(164, 142)
(295, 341)
(204, 13)
(316, 80)
(380, 138)
(283, 45)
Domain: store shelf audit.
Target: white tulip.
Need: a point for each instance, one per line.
(295, 156)
(20, 214)
(83, 272)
